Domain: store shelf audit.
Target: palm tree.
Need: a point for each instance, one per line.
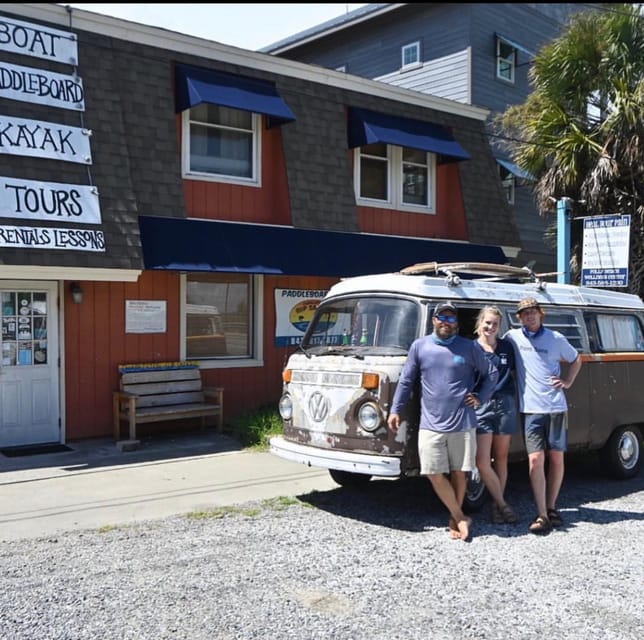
(579, 132)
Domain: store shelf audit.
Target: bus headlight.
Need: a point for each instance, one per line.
(286, 407)
(369, 416)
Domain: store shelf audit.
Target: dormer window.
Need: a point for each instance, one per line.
(410, 55)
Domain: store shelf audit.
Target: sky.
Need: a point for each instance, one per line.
(249, 26)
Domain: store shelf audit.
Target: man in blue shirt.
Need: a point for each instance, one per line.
(447, 366)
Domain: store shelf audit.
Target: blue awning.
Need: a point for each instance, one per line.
(369, 127)
(179, 244)
(516, 45)
(516, 170)
(195, 85)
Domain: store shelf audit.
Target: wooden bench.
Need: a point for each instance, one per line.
(159, 392)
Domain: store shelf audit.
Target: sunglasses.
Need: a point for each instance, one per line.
(449, 319)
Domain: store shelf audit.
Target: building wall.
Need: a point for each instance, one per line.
(307, 182)
(458, 50)
(96, 343)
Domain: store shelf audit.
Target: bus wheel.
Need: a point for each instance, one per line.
(622, 454)
(476, 493)
(349, 479)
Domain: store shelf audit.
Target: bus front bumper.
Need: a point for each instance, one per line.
(369, 464)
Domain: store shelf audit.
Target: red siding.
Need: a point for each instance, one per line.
(268, 204)
(447, 223)
(96, 343)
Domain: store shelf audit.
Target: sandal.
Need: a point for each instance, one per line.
(508, 515)
(540, 525)
(497, 516)
(555, 518)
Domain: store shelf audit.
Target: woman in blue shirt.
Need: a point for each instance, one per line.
(498, 417)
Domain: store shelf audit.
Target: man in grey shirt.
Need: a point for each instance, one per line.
(448, 367)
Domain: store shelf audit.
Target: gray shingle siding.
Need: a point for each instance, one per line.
(371, 49)
(136, 157)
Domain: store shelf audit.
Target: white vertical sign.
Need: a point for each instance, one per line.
(605, 251)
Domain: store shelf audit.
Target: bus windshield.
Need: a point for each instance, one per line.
(381, 323)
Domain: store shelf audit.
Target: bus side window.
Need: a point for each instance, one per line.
(593, 333)
(619, 332)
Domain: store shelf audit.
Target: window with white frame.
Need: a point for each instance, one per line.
(506, 60)
(221, 143)
(509, 182)
(410, 55)
(395, 177)
(220, 317)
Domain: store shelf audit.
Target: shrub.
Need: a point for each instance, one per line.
(254, 429)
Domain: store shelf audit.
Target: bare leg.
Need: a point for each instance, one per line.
(484, 465)
(444, 489)
(555, 477)
(458, 480)
(538, 480)
(500, 452)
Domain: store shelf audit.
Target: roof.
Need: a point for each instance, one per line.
(335, 24)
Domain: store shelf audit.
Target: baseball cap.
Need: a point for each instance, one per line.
(527, 303)
(444, 306)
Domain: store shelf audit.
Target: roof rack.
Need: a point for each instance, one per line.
(494, 272)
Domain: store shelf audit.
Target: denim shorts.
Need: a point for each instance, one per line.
(545, 431)
(499, 416)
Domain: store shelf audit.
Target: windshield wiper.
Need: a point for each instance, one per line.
(303, 350)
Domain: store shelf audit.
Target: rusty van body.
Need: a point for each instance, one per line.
(338, 387)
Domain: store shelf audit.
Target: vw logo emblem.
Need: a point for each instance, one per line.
(318, 406)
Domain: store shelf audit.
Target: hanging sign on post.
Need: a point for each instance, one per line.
(605, 251)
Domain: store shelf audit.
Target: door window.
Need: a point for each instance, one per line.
(24, 328)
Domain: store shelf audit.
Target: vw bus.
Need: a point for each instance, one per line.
(338, 387)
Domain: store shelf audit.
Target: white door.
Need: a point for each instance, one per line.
(29, 385)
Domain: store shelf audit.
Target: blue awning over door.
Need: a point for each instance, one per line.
(195, 85)
(179, 244)
(369, 127)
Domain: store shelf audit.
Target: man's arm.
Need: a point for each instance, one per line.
(408, 375)
(573, 370)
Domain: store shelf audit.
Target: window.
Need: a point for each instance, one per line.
(615, 333)
(386, 324)
(395, 177)
(565, 323)
(221, 317)
(506, 60)
(508, 181)
(410, 54)
(221, 143)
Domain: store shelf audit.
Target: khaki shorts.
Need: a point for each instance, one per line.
(441, 452)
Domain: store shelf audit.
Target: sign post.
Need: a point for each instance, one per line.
(563, 240)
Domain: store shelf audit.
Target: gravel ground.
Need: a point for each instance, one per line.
(370, 565)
